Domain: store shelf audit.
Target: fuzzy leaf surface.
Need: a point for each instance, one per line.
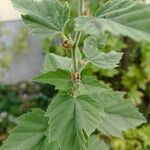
(44, 17)
(30, 133)
(100, 59)
(61, 79)
(71, 118)
(120, 114)
(91, 86)
(119, 17)
(53, 62)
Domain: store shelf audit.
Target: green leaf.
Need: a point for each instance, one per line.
(61, 79)
(30, 133)
(70, 119)
(94, 143)
(91, 86)
(44, 17)
(120, 114)
(100, 59)
(119, 17)
(53, 62)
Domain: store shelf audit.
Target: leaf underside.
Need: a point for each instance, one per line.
(119, 17)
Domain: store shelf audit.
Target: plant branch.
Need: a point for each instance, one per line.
(79, 7)
(83, 6)
(77, 37)
(75, 48)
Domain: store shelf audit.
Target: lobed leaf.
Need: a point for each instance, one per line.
(30, 133)
(91, 86)
(61, 79)
(120, 114)
(119, 17)
(71, 118)
(100, 59)
(53, 62)
(44, 17)
(115, 6)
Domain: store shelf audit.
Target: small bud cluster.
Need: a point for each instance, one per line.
(76, 77)
(67, 44)
(86, 12)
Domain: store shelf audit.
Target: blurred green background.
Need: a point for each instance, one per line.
(133, 76)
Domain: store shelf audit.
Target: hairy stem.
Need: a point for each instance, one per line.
(79, 7)
(83, 6)
(77, 38)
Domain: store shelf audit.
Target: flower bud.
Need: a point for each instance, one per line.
(76, 77)
(86, 12)
(67, 44)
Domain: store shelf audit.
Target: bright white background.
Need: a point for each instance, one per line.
(7, 12)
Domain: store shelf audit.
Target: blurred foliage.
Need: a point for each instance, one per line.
(7, 53)
(135, 139)
(5, 57)
(20, 43)
(137, 78)
(18, 99)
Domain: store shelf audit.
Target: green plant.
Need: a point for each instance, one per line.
(137, 77)
(83, 106)
(5, 58)
(18, 99)
(133, 139)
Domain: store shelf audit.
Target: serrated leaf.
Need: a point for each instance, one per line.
(53, 62)
(98, 58)
(61, 79)
(120, 114)
(115, 6)
(94, 143)
(119, 17)
(91, 86)
(44, 17)
(30, 133)
(71, 118)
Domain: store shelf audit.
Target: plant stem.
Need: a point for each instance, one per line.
(83, 6)
(77, 38)
(75, 48)
(79, 8)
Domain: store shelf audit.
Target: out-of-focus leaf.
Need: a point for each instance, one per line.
(119, 17)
